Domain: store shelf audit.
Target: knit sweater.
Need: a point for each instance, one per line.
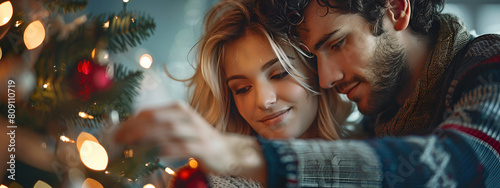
(462, 150)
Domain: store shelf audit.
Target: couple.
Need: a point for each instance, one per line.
(414, 70)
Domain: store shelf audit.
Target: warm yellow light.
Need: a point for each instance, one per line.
(93, 53)
(91, 183)
(149, 186)
(125, 1)
(46, 85)
(84, 136)
(41, 184)
(82, 114)
(66, 139)
(169, 171)
(19, 22)
(106, 25)
(0, 58)
(3, 186)
(6, 12)
(193, 163)
(93, 155)
(146, 61)
(34, 35)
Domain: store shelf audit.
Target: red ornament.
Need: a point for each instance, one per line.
(91, 77)
(190, 178)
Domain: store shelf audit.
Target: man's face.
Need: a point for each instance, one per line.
(369, 69)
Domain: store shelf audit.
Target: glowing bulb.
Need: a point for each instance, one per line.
(169, 171)
(93, 155)
(91, 183)
(125, 1)
(84, 136)
(41, 184)
(6, 12)
(145, 61)
(93, 53)
(34, 35)
(106, 25)
(3, 186)
(82, 114)
(193, 163)
(66, 139)
(149, 186)
(46, 85)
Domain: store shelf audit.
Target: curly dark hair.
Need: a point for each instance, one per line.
(282, 16)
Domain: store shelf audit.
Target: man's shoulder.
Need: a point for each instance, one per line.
(483, 47)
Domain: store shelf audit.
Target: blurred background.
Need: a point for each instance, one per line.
(179, 26)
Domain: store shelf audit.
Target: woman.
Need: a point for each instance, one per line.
(246, 82)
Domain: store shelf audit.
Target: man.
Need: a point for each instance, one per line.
(418, 71)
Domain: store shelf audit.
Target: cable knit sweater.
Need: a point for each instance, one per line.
(458, 146)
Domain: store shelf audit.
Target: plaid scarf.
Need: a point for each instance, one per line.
(423, 109)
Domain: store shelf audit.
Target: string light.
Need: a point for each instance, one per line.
(193, 163)
(6, 12)
(149, 186)
(82, 137)
(19, 22)
(91, 183)
(125, 1)
(106, 25)
(34, 35)
(45, 86)
(145, 61)
(93, 155)
(3, 186)
(168, 170)
(66, 139)
(41, 184)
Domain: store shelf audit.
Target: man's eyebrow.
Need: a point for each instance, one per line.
(323, 40)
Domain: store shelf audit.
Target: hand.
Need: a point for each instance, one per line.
(180, 132)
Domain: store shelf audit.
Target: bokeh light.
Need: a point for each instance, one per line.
(125, 1)
(3, 186)
(41, 184)
(149, 186)
(93, 155)
(91, 183)
(6, 12)
(82, 137)
(34, 35)
(169, 171)
(193, 163)
(146, 61)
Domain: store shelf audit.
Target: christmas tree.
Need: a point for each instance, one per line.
(57, 82)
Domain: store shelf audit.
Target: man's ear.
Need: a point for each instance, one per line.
(399, 12)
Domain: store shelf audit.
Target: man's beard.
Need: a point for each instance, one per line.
(390, 74)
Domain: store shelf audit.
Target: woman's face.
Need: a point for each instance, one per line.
(267, 97)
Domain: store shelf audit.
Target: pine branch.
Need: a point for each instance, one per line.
(126, 29)
(65, 6)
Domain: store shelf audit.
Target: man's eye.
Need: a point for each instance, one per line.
(338, 45)
(279, 75)
(242, 90)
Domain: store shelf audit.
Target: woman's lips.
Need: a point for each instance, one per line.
(275, 118)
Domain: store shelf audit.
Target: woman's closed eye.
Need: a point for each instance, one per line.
(242, 90)
(279, 76)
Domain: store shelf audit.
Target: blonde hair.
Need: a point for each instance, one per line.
(210, 95)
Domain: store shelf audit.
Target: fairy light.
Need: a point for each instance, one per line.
(149, 186)
(168, 170)
(106, 25)
(3, 186)
(91, 183)
(125, 1)
(41, 184)
(193, 163)
(93, 155)
(82, 114)
(6, 12)
(84, 136)
(66, 139)
(45, 86)
(34, 35)
(146, 61)
(18, 23)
